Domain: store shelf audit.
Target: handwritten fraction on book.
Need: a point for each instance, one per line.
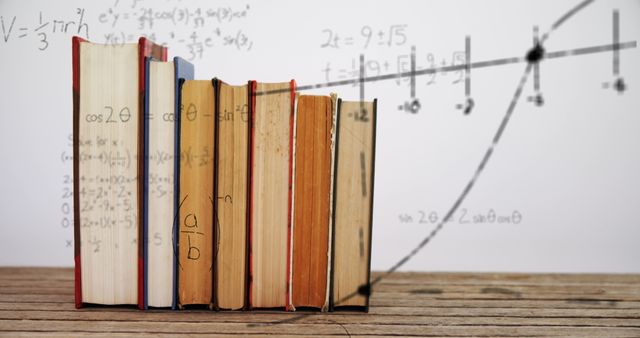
(200, 193)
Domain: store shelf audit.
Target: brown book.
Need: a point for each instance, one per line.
(232, 186)
(353, 204)
(196, 209)
(270, 201)
(311, 206)
(108, 168)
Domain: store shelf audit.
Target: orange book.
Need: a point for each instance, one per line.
(196, 208)
(312, 205)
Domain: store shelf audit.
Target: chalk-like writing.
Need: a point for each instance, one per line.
(401, 64)
(41, 27)
(463, 216)
(390, 36)
(196, 29)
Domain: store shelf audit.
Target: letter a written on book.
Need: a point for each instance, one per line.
(196, 214)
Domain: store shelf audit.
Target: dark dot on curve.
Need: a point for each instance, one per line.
(535, 54)
(364, 289)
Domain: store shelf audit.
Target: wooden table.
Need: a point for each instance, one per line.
(39, 302)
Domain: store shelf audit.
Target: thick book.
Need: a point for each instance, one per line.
(160, 178)
(312, 201)
(353, 204)
(108, 147)
(270, 193)
(232, 195)
(196, 207)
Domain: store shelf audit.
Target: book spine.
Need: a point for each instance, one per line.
(75, 65)
(247, 262)
(183, 71)
(333, 207)
(214, 198)
(252, 100)
(332, 157)
(146, 48)
(373, 166)
(145, 184)
(177, 202)
(216, 226)
(292, 87)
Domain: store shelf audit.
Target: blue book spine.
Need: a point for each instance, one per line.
(183, 71)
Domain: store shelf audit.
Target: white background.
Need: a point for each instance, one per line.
(569, 168)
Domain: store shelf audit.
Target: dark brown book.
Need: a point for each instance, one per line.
(311, 206)
(353, 204)
(232, 186)
(196, 209)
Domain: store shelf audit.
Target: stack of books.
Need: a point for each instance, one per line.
(200, 193)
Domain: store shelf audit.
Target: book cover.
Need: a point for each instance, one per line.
(161, 178)
(353, 205)
(144, 48)
(232, 194)
(184, 70)
(312, 201)
(272, 127)
(196, 214)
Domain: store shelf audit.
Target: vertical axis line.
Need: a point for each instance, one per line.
(616, 42)
(536, 66)
(413, 72)
(467, 69)
(361, 80)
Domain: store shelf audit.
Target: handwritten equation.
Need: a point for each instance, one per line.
(333, 71)
(389, 36)
(171, 23)
(463, 216)
(41, 27)
(196, 29)
(66, 197)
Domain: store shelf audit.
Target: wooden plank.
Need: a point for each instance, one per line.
(36, 302)
(412, 302)
(626, 292)
(35, 273)
(382, 311)
(319, 319)
(508, 278)
(312, 329)
(30, 334)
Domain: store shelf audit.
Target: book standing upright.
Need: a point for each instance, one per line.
(270, 201)
(353, 204)
(108, 140)
(162, 112)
